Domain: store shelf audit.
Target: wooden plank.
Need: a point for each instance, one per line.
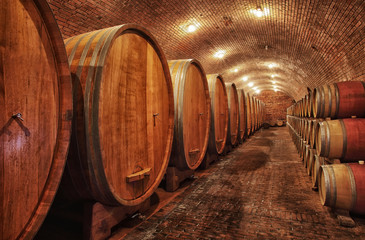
(138, 175)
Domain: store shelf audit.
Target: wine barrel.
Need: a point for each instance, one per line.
(124, 115)
(318, 162)
(342, 186)
(253, 115)
(340, 100)
(343, 139)
(192, 113)
(248, 114)
(36, 114)
(233, 119)
(310, 160)
(219, 114)
(242, 114)
(314, 132)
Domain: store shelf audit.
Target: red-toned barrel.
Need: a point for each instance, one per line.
(342, 186)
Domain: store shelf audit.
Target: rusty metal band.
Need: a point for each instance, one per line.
(344, 135)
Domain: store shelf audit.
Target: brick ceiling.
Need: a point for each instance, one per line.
(312, 42)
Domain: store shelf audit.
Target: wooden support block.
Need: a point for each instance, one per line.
(208, 159)
(99, 219)
(227, 149)
(174, 177)
(194, 151)
(344, 218)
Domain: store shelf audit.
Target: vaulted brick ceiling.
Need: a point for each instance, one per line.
(312, 42)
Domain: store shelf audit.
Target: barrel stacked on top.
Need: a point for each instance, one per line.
(328, 129)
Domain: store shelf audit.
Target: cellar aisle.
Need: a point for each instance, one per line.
(258, 191)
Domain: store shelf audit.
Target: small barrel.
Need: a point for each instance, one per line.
(36, 114)
(318, 162)
(248, 114)
(219, 114)
(242, 114)
(340, 100)
(233, 118)
(192, 113)
(310, 160)
(314, 132)
(124, 115)
(342, 186)
(342, 139)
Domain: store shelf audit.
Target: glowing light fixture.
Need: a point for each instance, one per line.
(220, 54)
(245, 79)
(258, 12)
(250, 84)
(191, 28)
(258, 91)
(272, 65)
(254, 88)
(272, 75)
(235, 70)
(275, 89)
(273, 82)
(275, 86)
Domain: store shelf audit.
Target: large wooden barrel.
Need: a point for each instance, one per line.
(314, 132)
(219, 114)
(253, 113)
(318, 162)
(233, 119)
(124, 114)
(242, 114)
(340, 100)
(35, 115)
(192, 113)
(248, 114)
(342, 186)
(343, 139)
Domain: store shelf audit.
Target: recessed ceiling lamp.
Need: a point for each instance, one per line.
(275, 86)
(272, 65)
(275, 89)
(272, 75)
(191, 28)
(245, 79)
(254, 88)
(258, 12)
(220, 54)
(258, 91)
(235, 70)
(250, 84)
(273, 82)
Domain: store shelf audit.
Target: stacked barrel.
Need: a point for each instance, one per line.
(328, 129)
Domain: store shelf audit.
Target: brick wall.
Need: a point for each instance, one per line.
(276, 104)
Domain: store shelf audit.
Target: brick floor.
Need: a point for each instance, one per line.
(258, 191)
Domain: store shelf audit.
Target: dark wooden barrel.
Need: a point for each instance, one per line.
(342, 186)
(343, 139)
(340, 100)
(248, 114)
(124, 114)
(219, 114)
(36, 114)
(314, 132)
(253, 113)
(233, 119)
(192, 113)
(242, 114)
(310, 160)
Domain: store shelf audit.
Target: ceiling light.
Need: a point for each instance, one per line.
(258, 12)
(245, 79)
(235, 70)
(191, 28)
(272, 75)
(272, 65)
(257, 91)
(276, 90)
(273, 82)
(250, 84)
(220, 54)
(254, 88)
